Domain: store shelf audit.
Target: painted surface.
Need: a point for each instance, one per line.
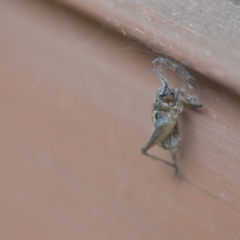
(75, 107)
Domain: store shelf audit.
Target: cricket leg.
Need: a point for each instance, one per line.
(176, 173)
(160, 133)
(191, 100)
(158, 159)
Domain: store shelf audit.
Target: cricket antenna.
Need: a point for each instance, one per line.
(159, 74)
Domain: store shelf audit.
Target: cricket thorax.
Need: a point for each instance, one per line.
(166, 105)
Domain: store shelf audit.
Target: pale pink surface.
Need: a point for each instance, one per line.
(75, 109)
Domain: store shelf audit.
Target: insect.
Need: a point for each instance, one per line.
(169, 102)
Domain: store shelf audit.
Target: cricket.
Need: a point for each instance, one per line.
(168, 104)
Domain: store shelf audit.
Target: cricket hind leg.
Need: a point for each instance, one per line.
(176, 167)
(157, 137)
(192, 101)
(159, 159)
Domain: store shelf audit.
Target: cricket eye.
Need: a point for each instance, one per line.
(162, 94)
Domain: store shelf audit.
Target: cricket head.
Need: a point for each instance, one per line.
(166, 94)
